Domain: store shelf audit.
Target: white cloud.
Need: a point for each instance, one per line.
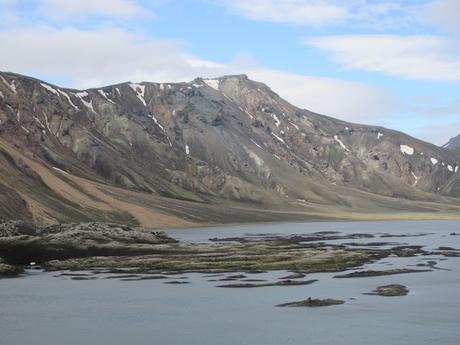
(84, 59)
(444, 13)
(419, 57)
(95, 58)
(357, 13)
(289, 11)
(75, 8)
(348, 100)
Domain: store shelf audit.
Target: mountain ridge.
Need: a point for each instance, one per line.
(226, 140)
(453, 143)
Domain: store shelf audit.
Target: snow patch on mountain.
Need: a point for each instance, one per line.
(213, 83)
(405, 149)
(140, 94)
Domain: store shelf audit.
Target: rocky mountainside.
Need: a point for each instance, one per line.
(208, 151)
(453, 143)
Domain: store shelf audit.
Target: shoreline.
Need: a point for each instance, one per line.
(117, 247)
(331, 220)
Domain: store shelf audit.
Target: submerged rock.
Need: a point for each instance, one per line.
(313, 302)
(176, 282)
(143, 278)
(82, 278)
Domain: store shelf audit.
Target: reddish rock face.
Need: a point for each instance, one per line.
(207, 141)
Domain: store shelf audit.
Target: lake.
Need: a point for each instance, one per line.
(42, 309)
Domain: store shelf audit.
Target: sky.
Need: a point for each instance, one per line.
(388, 63)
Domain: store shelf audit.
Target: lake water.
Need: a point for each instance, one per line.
(41, 309)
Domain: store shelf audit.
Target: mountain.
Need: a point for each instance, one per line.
(209, 151)
(453, 143)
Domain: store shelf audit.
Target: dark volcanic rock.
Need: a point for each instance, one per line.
(8, 270)
(176, 282)
(75, 240)
(312, 303)
(361, 274)
(279, 283)
(16, 228)
(294, 276)
(143, 278)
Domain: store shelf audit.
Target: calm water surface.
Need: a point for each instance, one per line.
(39, 308)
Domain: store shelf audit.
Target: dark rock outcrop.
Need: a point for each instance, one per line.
(310, 302)
(21, 243)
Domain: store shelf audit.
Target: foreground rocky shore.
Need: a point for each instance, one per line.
(118, 247)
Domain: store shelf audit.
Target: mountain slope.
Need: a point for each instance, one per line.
(218, 150)
(453, 143)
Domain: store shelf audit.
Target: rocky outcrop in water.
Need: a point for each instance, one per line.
(313, 302)
(123, 248)
(390, 290)
(9, 270)
(370, 273)
(22, 243)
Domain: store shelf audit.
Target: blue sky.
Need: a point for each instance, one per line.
(391, 63)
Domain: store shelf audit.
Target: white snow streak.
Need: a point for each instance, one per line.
(46, 121)
(277, 121)
(342, 145)
(89, 104)
(61, 171)
(103, 94)
(50, 89)
(415, 178)
(255, 143)
(68, 99)
(11, 86)
(156, 122)
(277, 137)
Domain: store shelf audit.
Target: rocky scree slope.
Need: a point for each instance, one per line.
(166, 154)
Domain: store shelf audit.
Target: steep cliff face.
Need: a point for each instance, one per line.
(98, 153)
